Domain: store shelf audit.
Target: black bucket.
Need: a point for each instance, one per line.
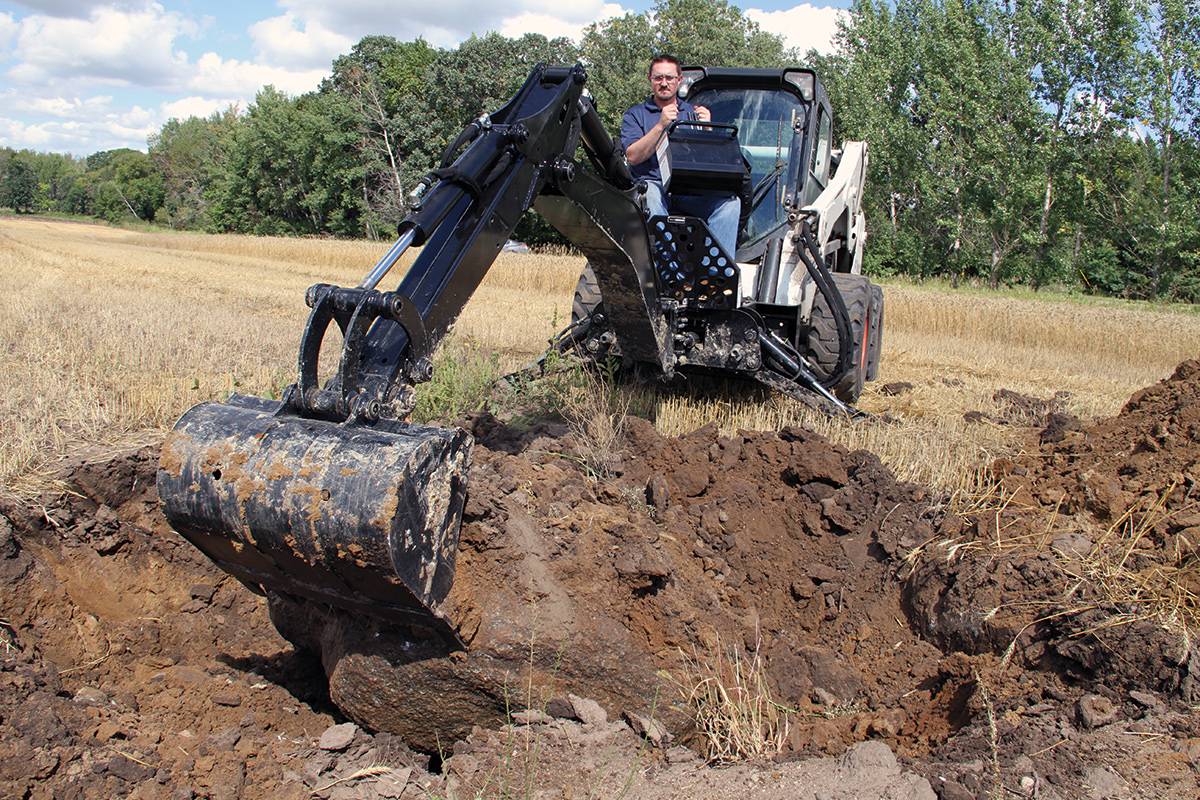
(363, 517)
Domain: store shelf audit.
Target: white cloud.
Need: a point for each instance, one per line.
(195, 106)
(804, 26)
(559, 20)
(8, 33)
(289, 42)
(137, 48)
(69, 107)
(214, 75)
(80, 137)
(83, 126)
(448, 22)
(404, 19)
(110, 46)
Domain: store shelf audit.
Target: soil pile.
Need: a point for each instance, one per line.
(132, 667)
(776, 544)
(1146, 456)
(1086, 563)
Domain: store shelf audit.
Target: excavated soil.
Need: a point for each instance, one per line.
(132, 667)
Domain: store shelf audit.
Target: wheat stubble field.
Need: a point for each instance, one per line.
(109, 334)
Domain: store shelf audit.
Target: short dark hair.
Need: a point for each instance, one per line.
(664, 57)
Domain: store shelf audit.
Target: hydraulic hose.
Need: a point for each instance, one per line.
(465, 137)
(814, 262)
(794, 366)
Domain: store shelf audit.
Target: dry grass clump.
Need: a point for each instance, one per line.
(1141, 578)
(727, 693)
(596, 407)
(368, 773)
(1128, 574)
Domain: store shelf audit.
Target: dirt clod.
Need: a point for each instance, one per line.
(1094, 710)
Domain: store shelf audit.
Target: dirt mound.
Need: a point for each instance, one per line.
(1086, 562)
(1148, 452)
(782, 544)
(131, 666)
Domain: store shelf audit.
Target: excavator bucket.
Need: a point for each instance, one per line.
(363, 517)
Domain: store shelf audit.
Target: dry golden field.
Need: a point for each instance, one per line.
(108, 335)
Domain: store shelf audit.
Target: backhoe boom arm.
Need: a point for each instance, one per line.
(473, 202)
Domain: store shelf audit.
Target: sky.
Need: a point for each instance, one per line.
(80, 76)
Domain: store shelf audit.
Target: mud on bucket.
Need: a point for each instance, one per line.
(365, 518)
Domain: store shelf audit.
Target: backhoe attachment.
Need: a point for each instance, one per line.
(327, 494)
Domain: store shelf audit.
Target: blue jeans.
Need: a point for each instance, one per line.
(720, 212)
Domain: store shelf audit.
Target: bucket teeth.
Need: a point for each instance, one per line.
(363, 517)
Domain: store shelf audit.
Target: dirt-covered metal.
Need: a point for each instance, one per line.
(364, 517)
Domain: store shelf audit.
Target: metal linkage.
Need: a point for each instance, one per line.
(356, 311)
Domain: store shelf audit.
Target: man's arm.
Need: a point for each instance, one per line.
(642, 148)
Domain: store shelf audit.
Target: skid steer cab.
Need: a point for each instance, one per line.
(330, 495)
(795, 278)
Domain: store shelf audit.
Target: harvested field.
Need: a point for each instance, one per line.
(765, 593)
(168, 320)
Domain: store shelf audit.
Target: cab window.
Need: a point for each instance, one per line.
(818, 168)
(765, 120)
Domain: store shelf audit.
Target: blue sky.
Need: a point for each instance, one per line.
(85, 75)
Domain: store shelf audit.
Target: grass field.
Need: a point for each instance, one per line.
(109, 334)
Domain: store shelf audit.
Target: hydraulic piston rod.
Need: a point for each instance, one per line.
(388, 261)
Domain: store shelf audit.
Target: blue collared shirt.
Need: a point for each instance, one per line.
(637, 122)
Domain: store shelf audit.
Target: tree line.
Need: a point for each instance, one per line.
(1040, 142)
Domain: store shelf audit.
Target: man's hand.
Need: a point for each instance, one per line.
(669, 114)
(702, 114)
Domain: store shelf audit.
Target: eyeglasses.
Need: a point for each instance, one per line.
(664, 78)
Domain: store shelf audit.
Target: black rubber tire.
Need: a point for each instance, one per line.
(823, 342)
(587, 295)
(875, 337)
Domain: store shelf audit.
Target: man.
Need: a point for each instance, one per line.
(642, 128)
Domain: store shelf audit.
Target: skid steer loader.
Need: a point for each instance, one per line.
(330, 496)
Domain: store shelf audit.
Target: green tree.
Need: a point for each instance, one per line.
(1170, 103)
(122, 183)
(56, 176)
(293, 168)
(192, 154)
(616, 53)
(715, 33)
(1080, 56)
(383, 78)
(872, 85)
(19, 184)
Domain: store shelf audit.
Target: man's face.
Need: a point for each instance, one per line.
(664, 80)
